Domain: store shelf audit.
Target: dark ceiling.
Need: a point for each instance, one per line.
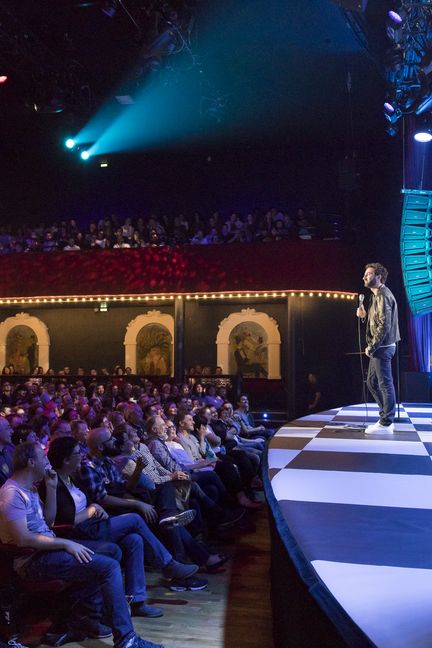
(270, 74)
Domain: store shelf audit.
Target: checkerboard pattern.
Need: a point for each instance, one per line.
(360, 508)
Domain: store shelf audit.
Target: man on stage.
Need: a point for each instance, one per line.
(382, 333)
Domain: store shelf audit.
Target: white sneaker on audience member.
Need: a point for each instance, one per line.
(377, 428)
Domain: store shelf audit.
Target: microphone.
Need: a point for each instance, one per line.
(361, 299)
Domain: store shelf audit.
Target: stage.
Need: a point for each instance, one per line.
(354, 512)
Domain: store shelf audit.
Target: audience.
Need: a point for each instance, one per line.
(154, 231)
(136, 471)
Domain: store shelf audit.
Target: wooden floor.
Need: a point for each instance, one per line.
(233, 612)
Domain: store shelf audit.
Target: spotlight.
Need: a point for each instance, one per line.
(389, 108)
(3, 78)
(85, 155)
(424, 135)
(70, 143)
(423, 130)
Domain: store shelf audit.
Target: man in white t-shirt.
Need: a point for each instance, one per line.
(22, 523)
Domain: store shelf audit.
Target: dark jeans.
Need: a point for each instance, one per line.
(211, 484)
(136, 540)
(178, 539)
(380, 383)
(100, 583)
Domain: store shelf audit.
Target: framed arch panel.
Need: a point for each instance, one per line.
(248, 342)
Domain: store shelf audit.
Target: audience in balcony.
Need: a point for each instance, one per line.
(272, 225)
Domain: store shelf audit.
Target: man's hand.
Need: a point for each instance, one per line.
(51, 479)
(140, 464)
(179, 474)
(368, 352)
(147, 511)
(361, 312)
(78, 551)
(96, 511)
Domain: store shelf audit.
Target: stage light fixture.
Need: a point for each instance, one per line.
(85, 155)
(3, 78)
(389, 108)
(70, 143)
(395, 17)
(425, 105)
(392, 130)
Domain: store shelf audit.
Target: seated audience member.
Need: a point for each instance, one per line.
(103, 484)
(248, 428)
(129, 531)
(157, 432)
(6, 450)
(211, 398)
(172, 455)
(80, 430)
(127, 441)
(135, 419)
(247, 462)
(24, 433)
(236, 474)
(198, 448)
(97, 576)
(40, 424)
(170, 412)
(60, 428)
(229, 427)
(6, 395)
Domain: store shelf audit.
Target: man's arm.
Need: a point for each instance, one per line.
(162, 455)
(22, 537)
(245, 427)
(381, 323)
(129, 505)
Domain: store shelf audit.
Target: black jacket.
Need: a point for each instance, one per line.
(66, 511)
(382, 328)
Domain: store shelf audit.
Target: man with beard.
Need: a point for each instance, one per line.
(103, 484)
(382, 334)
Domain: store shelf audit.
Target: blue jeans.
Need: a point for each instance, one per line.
(100, 583)
(135, 539)
(380, 383)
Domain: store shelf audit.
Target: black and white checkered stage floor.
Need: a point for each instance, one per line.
(360, 508)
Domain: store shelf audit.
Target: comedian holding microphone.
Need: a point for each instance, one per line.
(382, 334)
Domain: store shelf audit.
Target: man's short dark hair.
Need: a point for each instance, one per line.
(379, 270)
(23, 453)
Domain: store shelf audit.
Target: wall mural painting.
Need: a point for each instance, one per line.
(22, 349)
(154, 344)
(248, 350)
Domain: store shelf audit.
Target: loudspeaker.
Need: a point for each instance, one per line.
(415, 387)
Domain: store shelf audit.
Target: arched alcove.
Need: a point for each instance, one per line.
(246, 321)
(40, 331)
(134, 334)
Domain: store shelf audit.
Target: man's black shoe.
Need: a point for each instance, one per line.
(141, 609)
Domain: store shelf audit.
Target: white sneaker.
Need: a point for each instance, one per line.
(377, 428)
